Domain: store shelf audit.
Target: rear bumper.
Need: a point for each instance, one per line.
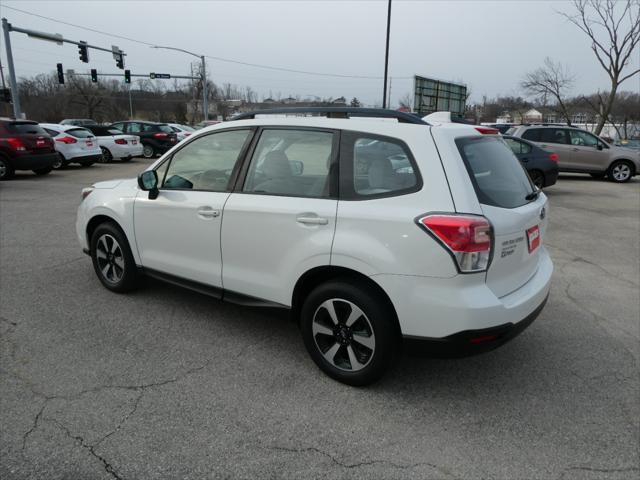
(469, 342)
(126, 151)
(34, 162)
(441, 308)
(84, 159)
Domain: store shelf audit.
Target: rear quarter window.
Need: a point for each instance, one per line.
(496, 174)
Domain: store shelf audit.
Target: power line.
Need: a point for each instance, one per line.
(220, 59)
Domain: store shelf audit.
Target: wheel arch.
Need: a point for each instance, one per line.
(98, 220)
(627, 160)
(318, 275)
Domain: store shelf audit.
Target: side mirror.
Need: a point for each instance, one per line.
(599, 147)
(297, 167)
(148, 181)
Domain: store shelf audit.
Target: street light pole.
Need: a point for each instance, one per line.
(386, 58)
(205, 106)
(15, 95)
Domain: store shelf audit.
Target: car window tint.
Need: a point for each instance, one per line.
(25, 127)
(79, 133)
(113, 131)
(514, 145)
(163, 128)
(554, 135)
(532, 134)
(497, 175)
(206, 163)
(119, 126)
(53, 133)
(381, 167)
(291, 162)
(582, 139)
(134, 128)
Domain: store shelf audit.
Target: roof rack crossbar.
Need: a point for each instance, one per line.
(337, 112)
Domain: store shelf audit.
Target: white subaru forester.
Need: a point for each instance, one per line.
(375, 232)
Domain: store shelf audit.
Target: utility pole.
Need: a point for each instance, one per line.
(386, 58)
(15, 97)
(203, 76)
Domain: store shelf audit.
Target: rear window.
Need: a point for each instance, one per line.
(497, 176)
(165, 128)
(79, 133)
(25, 127)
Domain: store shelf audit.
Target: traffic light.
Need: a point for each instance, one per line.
(119, 60)
(83, 52)
(94, 75)
(60, 73)
(127, 76)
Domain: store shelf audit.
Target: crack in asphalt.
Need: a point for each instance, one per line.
(360, 464)
(576, 259)
(90, 448)
(124, 419)
(33, 428)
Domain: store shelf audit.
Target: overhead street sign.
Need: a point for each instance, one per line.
(154, 76)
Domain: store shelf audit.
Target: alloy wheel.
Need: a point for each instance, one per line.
(147, 151)
(621, 172)
(110, 258)
(106, 155)
(343, 334)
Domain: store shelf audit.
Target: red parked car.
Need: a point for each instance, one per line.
(24, 145)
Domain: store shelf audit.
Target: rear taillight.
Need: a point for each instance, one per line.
(468, 238)
(66, 140)
(16, 144)
(160, 135)
(120, 141)
(487, 130)
(553, 157)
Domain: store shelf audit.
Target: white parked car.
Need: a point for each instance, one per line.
(73, 144)
(115, 144)
(375, 234)
(182, 131)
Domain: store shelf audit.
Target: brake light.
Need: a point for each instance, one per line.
(553, 157)
(468, 238)
(16, 144)
(120, 141)
(66, 140)
(487, 130)
(160, 135)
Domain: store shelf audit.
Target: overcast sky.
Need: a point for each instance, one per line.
(488, 45)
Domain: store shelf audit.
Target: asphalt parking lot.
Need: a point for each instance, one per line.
(167, 383)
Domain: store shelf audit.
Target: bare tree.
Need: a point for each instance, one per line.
(406, 101)
(551, 80)
(613, 41)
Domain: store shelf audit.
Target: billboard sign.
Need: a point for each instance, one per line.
(432, 95)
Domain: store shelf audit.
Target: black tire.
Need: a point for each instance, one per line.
(537, 177)
(376, 326)
(6, 169)
(115, 267)
(43, 171)
(60, 163)
(106, 155)
(148, 151)
(598, 176)
(620, 171)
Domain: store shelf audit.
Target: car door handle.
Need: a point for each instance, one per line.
(208, 212)
(312, 220)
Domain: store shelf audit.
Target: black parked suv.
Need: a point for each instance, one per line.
(156, 138)
(24, 145)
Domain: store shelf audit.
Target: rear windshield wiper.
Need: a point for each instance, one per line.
(533, 195)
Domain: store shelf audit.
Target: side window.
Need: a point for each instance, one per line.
(554, 135)
(525, 147)
(134, 128)
(582, 139)
(206, 163)
(533, 134)
(514, 145)
(291, 162)
(379, 165)
(119, 126)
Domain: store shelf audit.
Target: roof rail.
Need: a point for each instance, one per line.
(337, 112)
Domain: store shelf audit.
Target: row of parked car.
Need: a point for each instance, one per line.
(545, 149)
(43, 147)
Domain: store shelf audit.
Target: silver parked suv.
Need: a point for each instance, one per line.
(582, 152)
